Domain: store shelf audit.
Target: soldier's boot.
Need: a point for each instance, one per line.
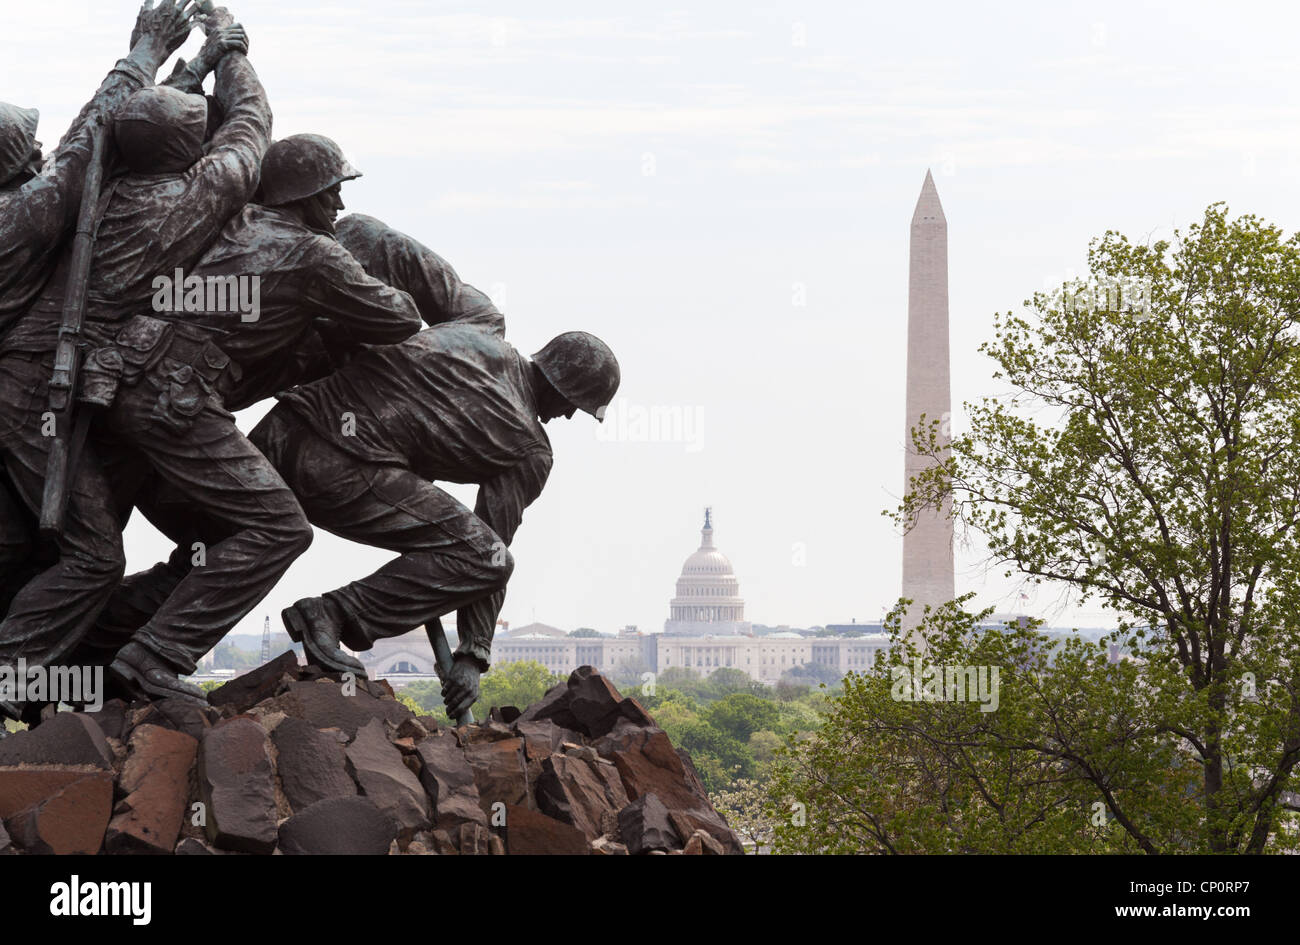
(144, 674)
(310, 623)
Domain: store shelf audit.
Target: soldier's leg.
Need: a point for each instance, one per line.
(18, 547)
(229, 482)
(449, 557)
(140, 595)
(56, 608)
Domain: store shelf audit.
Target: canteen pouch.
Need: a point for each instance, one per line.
(100, 376)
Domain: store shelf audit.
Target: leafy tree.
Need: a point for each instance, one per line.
(727, 680)
(764, 745)
(744, 805)
(741, 714)
(812, 675)
(719, 756)
(518, 684)
(585, 633)
(1150, 458)
(425, 693)
(1052, 761)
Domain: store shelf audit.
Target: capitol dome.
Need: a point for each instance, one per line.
(708, 597)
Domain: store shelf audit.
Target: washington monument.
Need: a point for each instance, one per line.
(927, 546)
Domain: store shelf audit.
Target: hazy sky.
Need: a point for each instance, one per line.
(724, 195)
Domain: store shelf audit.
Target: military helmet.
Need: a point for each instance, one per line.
(300, 166)
(17, 138)
(160, 130)
(582, 368)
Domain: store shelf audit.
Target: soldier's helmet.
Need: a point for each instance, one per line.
(582, 368)
(300, 166)
(17, 139)
(159, 130)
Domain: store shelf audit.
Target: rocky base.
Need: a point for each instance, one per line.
(287, 760)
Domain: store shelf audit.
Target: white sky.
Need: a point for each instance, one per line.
(788, 142)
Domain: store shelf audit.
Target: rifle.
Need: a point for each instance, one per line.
(71, 425)
(442, 657)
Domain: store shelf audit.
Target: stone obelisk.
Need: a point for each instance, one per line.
(928, 546)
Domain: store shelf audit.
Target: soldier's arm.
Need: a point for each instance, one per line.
(401, 261)
(370, 311)
(223, 181)
(52, 199)
(501, 503)
(188, 76)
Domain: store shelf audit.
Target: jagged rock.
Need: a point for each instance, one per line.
(588, 703)
(701, 843)
(312, 764)
(693, 780)
(383, 777)
(414, 729)
(69, 738)
(605, 778)
(449, 782)
(572, 790)
(180, 715)
(504, 714)
(644, 825)
(339, 825)
(236, 782)
(111, 719)
(156, 782)
(554, 706)
(688, 822)
(244, 692)
(490, 731)
(499, 772)
(593, 701)
(542, 737)
(647, 762)
(530, 833)
(323, 704)
(56, 810)
(193, 846)
(473, 840)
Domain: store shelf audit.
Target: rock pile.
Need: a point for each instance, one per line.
(287, 760)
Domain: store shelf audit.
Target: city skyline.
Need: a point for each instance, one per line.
(722, 194)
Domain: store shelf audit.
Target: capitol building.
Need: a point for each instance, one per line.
(706, 630)
(708, 597)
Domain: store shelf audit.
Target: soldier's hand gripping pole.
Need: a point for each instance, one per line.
(443, 659)
(70, 425)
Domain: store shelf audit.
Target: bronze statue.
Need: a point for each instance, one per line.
(116, 385)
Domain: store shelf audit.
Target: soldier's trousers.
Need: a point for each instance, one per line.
(19, 561)
(252, 526)
(449, 557)
(53, 610)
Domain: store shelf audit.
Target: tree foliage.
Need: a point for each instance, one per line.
(1151, 459)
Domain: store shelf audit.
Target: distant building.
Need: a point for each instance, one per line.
(628, 653)
(708, 600)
